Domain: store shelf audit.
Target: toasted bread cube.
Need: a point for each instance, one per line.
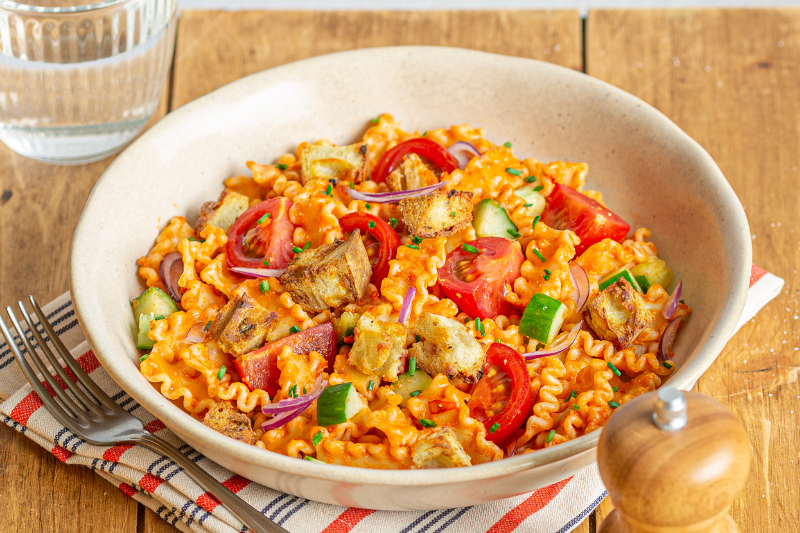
(379, 348)
(224, 419)
(618, 314)
(330, 275)
(411, 174)
(439, 449)
(223, 212)
(438, 214)
(242, 325)
(334, 162)
(447, 347)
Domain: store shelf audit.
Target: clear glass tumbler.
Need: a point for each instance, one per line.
(79, 79)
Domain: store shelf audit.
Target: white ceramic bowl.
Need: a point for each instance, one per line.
(650, 172)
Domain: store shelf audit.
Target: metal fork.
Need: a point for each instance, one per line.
(94, 417)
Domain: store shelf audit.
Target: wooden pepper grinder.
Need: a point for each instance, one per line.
(673, 462)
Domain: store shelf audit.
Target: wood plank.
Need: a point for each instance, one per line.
(730, 79)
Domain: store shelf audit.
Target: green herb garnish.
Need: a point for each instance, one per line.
(413, 246)
(614, 369)
(479, 327)
(415, 393)
(370, 385)
(539, 255)
(294, 329)
(263, 286)
(424, 422)
(514, 233)
(536, 220)
(513, 171)
(538, 188)
(281, 166)
(412, 366)
(370, 224)
(416, 240)
(145, 356)
(612, 404)
(547, 274)
(262, 219)
(550, 436)
(469, 249)
(221, 373)
(494, 427)
(507, 145)
(317, 438)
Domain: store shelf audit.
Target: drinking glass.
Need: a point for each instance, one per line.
(80, 78)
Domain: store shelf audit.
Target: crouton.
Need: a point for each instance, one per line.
(618, 314)
(334, 162)
(242, 325)
(224, 419)
(379, 348)
(411, 174)
(438, 214)
(330, 275)
(439, 449)
(223, 212)
(447, 347)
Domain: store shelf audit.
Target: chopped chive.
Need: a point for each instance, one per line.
(424, 133)
(514, 233)
(375, 120)
(221, 373)
(666, 365)
(297, 249)
(466, 319)
(415, 393)
(192, 239)
(681, 301)
(424, 422)
(527, 205)
(352, 185)
(266, 263)
(412, 366)
(294, 329)
(418, 338)
(416, 240)
(208, 326)
(263, 287)
(550, 436)
(494, 427)
(615, 389)
(262, 219)
(539, 255)
(145, 356)
(368, 206)
(307, 245)
(479, 327)
(469, 249)
(529, 179)
(507, 145)
(612, 404)
(614, 369)
(159, 317)
(305, 390)
(547, 274)
(309, 458)
(317, 438)
(572, 394)
(329, 190)
(536, 220)
(370, 385)
(370, 224)
(393, 222)
(576, 407)
(293, 391)
(453, 214)
(513, 171)
(281, 166)
(538, 188)
(413, 246)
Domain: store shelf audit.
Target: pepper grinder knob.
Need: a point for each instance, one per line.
(672, 462)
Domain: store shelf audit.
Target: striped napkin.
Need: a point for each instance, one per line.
(161, 485)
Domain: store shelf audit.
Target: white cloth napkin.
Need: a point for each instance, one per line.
(161, 485)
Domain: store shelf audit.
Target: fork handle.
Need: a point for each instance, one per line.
(236, 505)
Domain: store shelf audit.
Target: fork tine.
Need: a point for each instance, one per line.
(73, 365)
(76, 391)
(60, 393)
(53, 406)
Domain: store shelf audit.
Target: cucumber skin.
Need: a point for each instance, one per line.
(539, 304)
(406, 384)
(154, 301)
(643, 282)
(143, 342)
(332, 404)
(490, 219)
(655, 271)
(622, 273)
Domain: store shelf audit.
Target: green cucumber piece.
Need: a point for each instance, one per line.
(542, 318)
(143, 342)
(345, 325)
(490, 219)
(154, 302)
(532, 197)
(407, 384)
(653, 271)
(621, 273)
(337, 404)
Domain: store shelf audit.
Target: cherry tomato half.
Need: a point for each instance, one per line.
(502, 398)
(250, 243)
(259, 368)
(387, 238)
(569, 209)
(426, 148)
(477, 282)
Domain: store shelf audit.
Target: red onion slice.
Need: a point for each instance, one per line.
(668, 338)
(406, 307)
(282, 418)
(259, 272)
(291, 405)
(580, 280)
(196, 334)
(394, 196)
(672, 304)
(463, 152)
(558, 348)
(170, 272)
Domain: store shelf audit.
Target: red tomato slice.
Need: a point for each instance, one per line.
(477, 283)
(259, 368)
(502, 398)
(426, 148)
(387, 238)
(250, 243)
(569, 209)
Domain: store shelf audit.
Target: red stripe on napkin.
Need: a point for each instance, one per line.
(127, 489)
(155, 425)
(534, 503)
(115, 452)
(236, 483)
(25, 408)
(61, 453)
(347, 520)
(150, 483)
(207, 502)
(756, 273)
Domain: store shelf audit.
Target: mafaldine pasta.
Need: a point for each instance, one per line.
(411, 300)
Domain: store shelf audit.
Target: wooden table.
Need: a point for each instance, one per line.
(729, 78)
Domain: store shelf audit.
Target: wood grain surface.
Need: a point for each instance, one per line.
(676, 60)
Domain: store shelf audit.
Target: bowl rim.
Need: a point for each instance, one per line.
(716, 335)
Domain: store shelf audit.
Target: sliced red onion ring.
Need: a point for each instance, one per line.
(668, 338)
(463, 152)
(196, 334)
(672, 304)
(394, 196)
(558, 348)
(291, 408)
(282, 418)
(170, 272)
(259, 272)
(580, 280)
(406, 307)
